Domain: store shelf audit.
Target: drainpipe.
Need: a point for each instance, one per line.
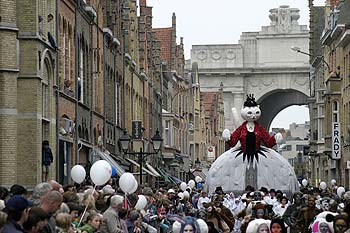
(57, 96)
(92, 84)
(123, 57)
(77, 58)
(115, 101)
(104, 89)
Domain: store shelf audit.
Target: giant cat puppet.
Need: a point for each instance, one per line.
(251, 163)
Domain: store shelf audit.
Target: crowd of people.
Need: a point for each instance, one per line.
(49, 207)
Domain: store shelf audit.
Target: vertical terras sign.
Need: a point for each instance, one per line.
(136, 130)
(336, 154)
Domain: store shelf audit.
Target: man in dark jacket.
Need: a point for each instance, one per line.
(17, 209)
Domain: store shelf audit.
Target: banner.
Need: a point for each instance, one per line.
(136, 130)
(336, 151)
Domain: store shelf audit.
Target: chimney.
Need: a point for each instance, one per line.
(143, 2)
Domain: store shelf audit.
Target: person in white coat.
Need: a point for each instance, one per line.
(281, 208)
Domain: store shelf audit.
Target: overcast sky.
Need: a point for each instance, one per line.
(222, 22)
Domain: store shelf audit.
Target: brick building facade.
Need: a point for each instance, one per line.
(77, 73)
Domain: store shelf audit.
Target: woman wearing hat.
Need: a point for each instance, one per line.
(258, 226)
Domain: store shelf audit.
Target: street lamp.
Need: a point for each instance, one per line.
(298, 50)
(156, 141)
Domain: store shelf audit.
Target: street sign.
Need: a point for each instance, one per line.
(336, 153)
(136, 130)
(211, 153)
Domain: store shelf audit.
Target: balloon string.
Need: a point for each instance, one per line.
(82, 216)
(126, 201)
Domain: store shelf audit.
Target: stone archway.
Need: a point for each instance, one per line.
(275, 101)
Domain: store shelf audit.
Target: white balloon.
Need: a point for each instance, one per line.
(78, 174)
(202, 226)
(323, 185)
(333, 181)
(198, 179)
(136, 185)
(183, 186)
(340, 191)
(186, 194)
(141, 203)
(100, 172)
(180, 195)
(127, 182)
(191, 184)
(304, 182)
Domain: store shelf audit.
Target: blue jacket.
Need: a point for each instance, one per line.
(47, 156)
(12, 227)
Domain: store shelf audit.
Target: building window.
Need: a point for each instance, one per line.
(299, 147)
(64, 54)
(320, 129)
(81, 77)
(45, 101)
(167, 133)
(288, 148)
(196, 121)
(69, 75)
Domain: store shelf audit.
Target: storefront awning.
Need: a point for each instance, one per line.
(166, 176)
(177, 180)
(143, 168)
(154, 171)
(110, 160)
(169, 178)
(198, 173)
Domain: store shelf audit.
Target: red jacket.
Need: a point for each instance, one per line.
(261, 135)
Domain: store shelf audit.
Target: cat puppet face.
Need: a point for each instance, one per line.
(251, 113)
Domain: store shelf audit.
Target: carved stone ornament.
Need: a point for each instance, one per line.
(202, 55)
(300, 81)
(283, 18)
(230, 54)
(267, 82)
(216, 55)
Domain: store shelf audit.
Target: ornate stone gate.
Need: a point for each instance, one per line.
(261, 63)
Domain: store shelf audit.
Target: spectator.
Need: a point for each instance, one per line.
(63, 223)
(133, 222)
(47, 158)
(3, 220)
(93, 224)
(75, 211)
(17, 189)
(39, 191)
(3, 193)
(50, 203)
(111, 221)
(36, 220)
(203, 199)
(17, 209)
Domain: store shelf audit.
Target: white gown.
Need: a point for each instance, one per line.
(273, 171)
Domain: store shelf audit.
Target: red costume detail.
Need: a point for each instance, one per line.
(261, 135)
